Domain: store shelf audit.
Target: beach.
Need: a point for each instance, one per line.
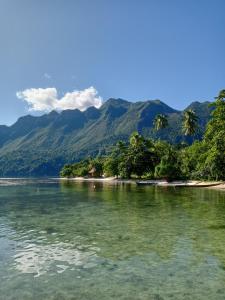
(178, 183)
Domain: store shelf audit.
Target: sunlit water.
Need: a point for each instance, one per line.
(107, 241)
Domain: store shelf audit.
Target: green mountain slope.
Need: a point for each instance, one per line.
(40, 146)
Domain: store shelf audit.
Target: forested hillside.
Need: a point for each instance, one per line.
(40, 146)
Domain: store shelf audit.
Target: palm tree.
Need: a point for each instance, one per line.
(190, 122)
(160, 122)
(136, 140)
(221, 95)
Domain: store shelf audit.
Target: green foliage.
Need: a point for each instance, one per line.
(206, 159)
(189, 122)
(96, 167)
(79, 169)
(162, 148)
(165, 170)
(67, 171)
(214, 138)
(139, 158)
(192, 159)
(86, 167)
(110, 166)
(125, 168)
(135, 159)
(160, 122)
(168, 168)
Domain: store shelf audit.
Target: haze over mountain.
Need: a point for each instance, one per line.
(40, 146)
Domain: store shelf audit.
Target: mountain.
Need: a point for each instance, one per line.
(40, 146)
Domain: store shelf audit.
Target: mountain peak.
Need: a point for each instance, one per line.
(116, 101)
(198, 104)
(53, 113)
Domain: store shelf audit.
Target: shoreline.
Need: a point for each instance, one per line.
(216, 185)
(220, 185)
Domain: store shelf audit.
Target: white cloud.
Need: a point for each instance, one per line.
(47, 76)
(47, 99)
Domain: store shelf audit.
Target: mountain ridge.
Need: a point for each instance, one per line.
(41, 145)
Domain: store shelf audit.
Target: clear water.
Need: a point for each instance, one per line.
(107, 241)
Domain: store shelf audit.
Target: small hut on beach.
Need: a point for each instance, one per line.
(93, 172)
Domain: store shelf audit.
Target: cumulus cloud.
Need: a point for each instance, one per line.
(47, 99)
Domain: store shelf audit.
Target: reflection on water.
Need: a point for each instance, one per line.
(39, 259)
(110, 241)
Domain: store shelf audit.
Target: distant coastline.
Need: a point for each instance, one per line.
(161, 183)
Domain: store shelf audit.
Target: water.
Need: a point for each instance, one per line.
(107, 241)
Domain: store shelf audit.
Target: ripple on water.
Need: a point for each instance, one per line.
(39, 259)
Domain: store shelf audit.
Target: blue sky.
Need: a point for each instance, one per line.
(173, 50)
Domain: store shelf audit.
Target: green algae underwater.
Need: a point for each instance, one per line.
(83, 240)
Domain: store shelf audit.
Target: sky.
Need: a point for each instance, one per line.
(65, 54)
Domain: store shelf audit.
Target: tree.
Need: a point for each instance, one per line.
(214, 138)
(96, 167)
(165, 170)
(140, 157)
(67, 171)
(125, 167)
(217, 123)
(190, 122)
(120, 147)
(111, 166)
(78, 169)
(192, 159)
(206, 159)
(168, 168)
(136, 140)
(160, 122)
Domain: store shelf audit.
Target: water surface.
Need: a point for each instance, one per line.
(107, 241)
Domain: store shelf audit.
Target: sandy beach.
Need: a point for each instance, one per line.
(190, 183)
(221, 186)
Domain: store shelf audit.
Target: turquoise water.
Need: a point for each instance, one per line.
(107, 241)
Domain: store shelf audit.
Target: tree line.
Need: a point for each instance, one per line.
(156, 159)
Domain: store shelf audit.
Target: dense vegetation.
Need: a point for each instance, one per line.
(147, 158)
(41, 146)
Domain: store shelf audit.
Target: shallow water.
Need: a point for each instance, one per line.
(110, 241)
